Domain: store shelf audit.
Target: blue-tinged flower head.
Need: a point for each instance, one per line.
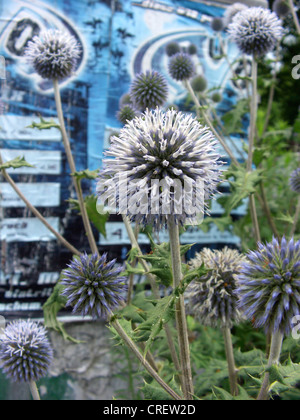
(269, 285)
(181, 67)
(93, 285)
(281, 8)
(127, 113)
(217, 24)
(213, 298)
(256, 31)
(233, 10)
(165, 164)
(53, 54)
(295, 180)
(172, 48)
(149, 90)
(25, 351)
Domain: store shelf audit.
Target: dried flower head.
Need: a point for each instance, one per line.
(181, 67)
(53, 54)
(127, 113)
(149, 90)
(160, 161)
(213, 298)
(256, 31)
(217, 24)
(172, 48)
(233, 10)
(93, 285)
(295, 180)
(25, 351)
(199, 84)
(269, 285)
(281, 8)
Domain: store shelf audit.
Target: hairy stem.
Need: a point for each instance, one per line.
(266, 208)
(274, 357)
(295, 17)
(131, 345)
(34, 391)
(37, 214)
(182, 330)
(230, 361)
(67, 146)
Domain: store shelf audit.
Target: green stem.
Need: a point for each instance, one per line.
(187, 380)
(253, 118)
(155, 290)
(295, 17)
(230, 361)
(296, 219)
(130, 344)
(274, 357)
(34, 391)
(37, 214)
(67, 146)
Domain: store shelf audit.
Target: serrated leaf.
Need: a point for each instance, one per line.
(287, 218)
(99, 220)
(44, 125)
(222, 223)
(154, 392)
(54, 304)
(18, 162)
(233, 119)
(86, 174)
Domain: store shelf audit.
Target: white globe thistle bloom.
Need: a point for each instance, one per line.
(164, 165)
(53, 54)
(256, 31)
(233, 10)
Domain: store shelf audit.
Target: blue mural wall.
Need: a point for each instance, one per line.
(118, 40)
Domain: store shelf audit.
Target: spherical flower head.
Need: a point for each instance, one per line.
(216, 97)
(281, 8)
(217, 24)
(199, 84)
(93, 286)
(53, 54)
(295, 181)
(25, 351)
(213, 298)
(164, 166)
(192, 49)
(181, 67)
(269, 285)
(172, 48)
(127, 113)
(256, 31)
(233, 10)
(149, 90)
(125, 100)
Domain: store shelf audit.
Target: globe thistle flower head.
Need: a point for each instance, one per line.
(181, 67)
(160, 159)
(295, 181)
(149, 90)
(213, 298)
(233, 10)
(199, 84)
(217, 24)
(172, 48)
(25, 351)
(53, 54)
(269, 285)
(93, 286)
(125, 100)
(127, 113)
(281, 8)
(256, 31)
(216, 97)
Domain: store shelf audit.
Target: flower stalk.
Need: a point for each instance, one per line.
(182, 330)
(34, 391)
(230, 361)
